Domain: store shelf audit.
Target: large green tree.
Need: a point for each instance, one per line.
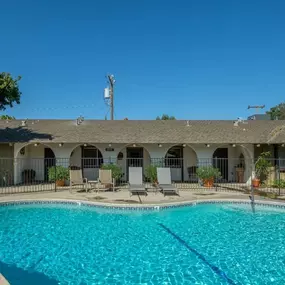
(165, 117)
(7, 117)
(277, 112)
(9, 90)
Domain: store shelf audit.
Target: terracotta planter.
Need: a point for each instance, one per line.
(60, 183)
(208, 182)
(255, 182)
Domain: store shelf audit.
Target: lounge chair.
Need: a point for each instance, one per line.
(164, 181)
(136, 185)
(105, 182)
(76, 178)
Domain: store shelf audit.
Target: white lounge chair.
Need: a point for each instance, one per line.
(164, 181)
(105, 182)
(76, 178)
(136, 185)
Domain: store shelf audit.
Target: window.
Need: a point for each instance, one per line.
(91, 157)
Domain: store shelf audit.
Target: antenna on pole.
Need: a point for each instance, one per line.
(109, 94)
(256, 107)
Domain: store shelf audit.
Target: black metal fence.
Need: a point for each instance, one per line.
(41, 174)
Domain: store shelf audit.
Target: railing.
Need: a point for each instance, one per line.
(32, 174)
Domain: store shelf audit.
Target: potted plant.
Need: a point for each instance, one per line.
(262, 168)
(117, 172)
(28, 175)
(208, 174)
(58, 174)
(151, 174)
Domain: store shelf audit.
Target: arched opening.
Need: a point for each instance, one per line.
(233, 162)
(88, 158)
(220, 161)
(133, 156)
(182, 161)
(32, 163)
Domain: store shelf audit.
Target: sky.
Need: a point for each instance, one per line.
(187, 58)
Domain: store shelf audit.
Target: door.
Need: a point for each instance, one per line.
(134, 158)
(49, 160)
(220, 161)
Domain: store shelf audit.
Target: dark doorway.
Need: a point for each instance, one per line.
(220, 160)
(49, 162)
(174, 160)
(134, 158)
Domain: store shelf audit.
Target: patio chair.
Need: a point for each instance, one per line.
(76, 179)
(105, 182)
(136, 185)
(164, 181)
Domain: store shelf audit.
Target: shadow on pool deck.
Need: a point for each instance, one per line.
(215, 269)
(18, 276)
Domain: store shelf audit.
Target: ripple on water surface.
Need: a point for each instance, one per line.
(204, 244)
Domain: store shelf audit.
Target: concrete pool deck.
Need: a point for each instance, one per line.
(123, 197)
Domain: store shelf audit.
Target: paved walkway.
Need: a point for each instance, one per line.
(123, 196)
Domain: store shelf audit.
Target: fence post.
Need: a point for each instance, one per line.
(55, 166)
(279, 177)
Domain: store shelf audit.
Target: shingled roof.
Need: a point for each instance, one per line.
(156, 131)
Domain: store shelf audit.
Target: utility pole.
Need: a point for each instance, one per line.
(111, 91)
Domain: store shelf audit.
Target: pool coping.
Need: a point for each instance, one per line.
(140, 207)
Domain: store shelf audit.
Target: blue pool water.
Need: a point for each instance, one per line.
(204, 244)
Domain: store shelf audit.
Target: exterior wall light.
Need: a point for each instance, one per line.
(258, 145)
(36, 144)
(233, 145)
(207, 145)
(110, 145)
(160, 145)
(283, 145)
(134, 145)
(85, 144)
(60, 145)
(184, 145)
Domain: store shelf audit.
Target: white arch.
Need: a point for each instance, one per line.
(32, 143)
(130, 145)
(81, 144)
(247, 153)
(189, 145)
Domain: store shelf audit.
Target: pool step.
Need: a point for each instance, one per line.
(3, 281)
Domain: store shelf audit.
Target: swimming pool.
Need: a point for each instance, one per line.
(203, 244)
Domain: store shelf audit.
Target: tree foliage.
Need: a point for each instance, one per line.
(165, 117)
(277, 112)
(7, 117)
(9, 90)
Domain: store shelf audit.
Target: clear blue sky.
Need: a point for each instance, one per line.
(192, 59)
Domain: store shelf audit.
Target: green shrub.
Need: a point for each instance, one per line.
(208, 172)
(262, 166)
(58, 173)
(117, 171)
(279, 183)
(151, 173)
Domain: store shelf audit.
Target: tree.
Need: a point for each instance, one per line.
(9, 90)
(7, 117)
(277, 112)
(165, 117)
